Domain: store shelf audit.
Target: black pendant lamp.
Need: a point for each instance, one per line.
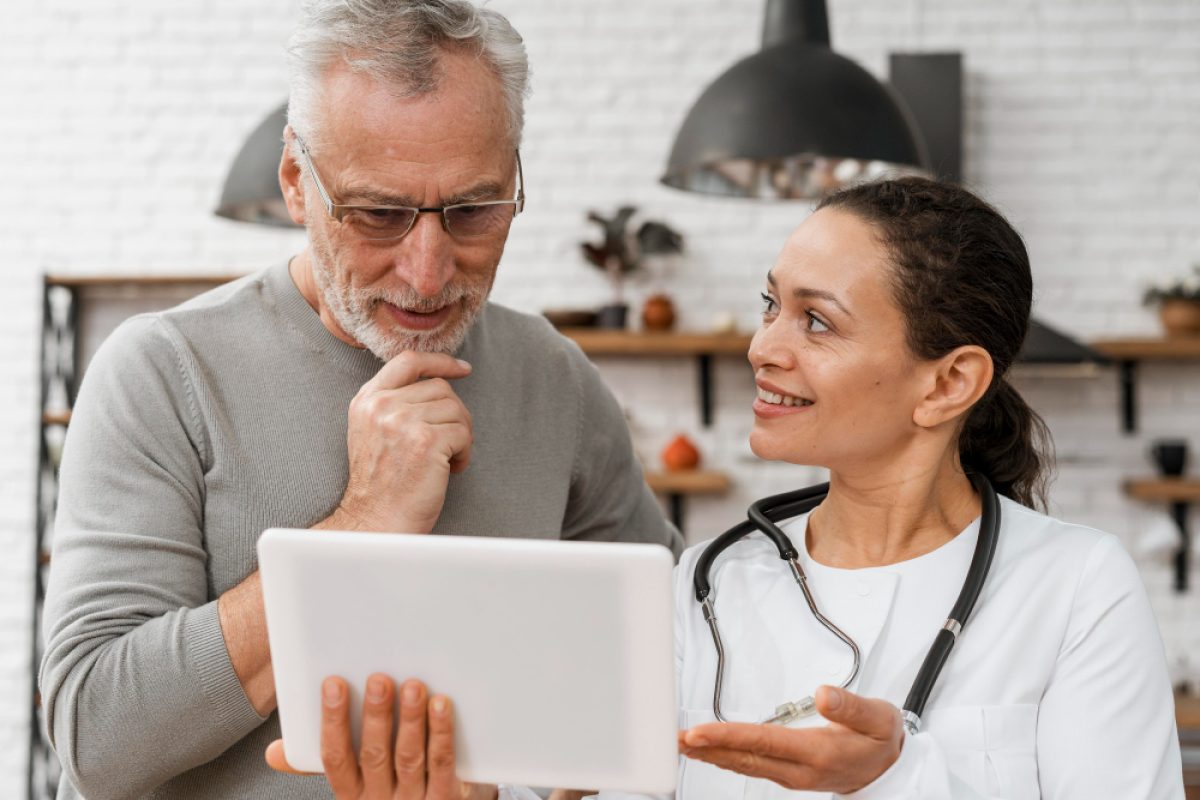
(794, 120)
(251, 192)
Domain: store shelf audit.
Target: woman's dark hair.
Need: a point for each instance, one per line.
(962, 278)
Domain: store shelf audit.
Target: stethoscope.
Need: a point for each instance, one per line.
(762, 517)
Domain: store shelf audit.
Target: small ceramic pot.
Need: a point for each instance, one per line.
(1180, 317)
(1170, 456)
(658, 314)
(612, 316)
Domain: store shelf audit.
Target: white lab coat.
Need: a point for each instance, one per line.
(1056, 689)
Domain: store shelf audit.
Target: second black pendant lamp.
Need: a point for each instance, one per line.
(794, 120)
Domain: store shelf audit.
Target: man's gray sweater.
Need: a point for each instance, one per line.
(199, 427)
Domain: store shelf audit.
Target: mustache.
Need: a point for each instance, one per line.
(411, 301)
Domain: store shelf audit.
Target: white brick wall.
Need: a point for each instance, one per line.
(120, 117)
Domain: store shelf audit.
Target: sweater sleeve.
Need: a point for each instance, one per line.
(136, 680)
(609, 499)
(1106, 724)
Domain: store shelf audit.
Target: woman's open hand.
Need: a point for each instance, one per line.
(420, 765)
(862, 740)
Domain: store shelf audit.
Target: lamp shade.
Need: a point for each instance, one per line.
(251, 192)
(795, 120)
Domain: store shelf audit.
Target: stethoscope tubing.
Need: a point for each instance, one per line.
(763, 516)
(977, 572)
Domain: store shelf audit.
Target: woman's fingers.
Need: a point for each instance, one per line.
(774, 741)
(337, 748)
(375, 754)
(443, 777)
(786, 773)
(410, 742)
(877, 719)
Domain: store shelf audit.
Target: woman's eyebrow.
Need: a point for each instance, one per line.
(804, 293)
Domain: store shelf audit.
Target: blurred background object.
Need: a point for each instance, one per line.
(793, 121)
(251, 192)
(622, 251)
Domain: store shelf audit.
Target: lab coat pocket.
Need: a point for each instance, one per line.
(991, 747)
(698, 780)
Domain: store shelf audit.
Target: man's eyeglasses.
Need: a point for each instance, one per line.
(461, 220)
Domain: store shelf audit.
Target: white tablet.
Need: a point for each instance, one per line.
(557, 655)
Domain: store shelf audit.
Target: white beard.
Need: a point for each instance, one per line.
(355, 311)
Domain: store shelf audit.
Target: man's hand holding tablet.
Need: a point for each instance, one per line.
(421, 765)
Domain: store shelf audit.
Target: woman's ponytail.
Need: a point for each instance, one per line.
(1005, 440)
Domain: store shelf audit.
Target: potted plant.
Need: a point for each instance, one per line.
(1178, 304)
(621, 252)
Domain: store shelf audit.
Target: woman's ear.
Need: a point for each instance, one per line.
(961, 377)
(290, 176)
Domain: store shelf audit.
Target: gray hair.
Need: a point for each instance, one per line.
(398, 42)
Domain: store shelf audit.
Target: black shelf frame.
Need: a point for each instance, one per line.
(60, 355)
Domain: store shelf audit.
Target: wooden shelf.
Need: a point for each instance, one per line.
(1178, 348)
(83, 281)
(694, 481)
(1179, 494)
(1187, 712)
(701, 346)
(1129, 351)
(677, 486)
(598, 342)
(1164, 490)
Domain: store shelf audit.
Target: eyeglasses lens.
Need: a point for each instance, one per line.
(381, 223)
(468, 221)
(463, 221)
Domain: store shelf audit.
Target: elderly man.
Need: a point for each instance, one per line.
(365, 385)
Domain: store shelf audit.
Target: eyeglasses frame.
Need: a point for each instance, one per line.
(338, 211)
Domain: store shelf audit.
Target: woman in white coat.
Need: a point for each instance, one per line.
(889, 323)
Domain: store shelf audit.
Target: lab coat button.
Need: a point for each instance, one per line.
(864, 588)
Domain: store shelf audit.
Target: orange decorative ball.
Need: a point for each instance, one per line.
(680, 454)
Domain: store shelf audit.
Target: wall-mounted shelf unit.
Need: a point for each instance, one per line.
(702, 346)
(1129, 352)
(676, 486)
(1164, 490)
(1179, 494)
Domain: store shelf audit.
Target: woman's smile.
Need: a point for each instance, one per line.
(772, 401)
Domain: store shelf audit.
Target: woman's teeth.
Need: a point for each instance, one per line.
(782, 399)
